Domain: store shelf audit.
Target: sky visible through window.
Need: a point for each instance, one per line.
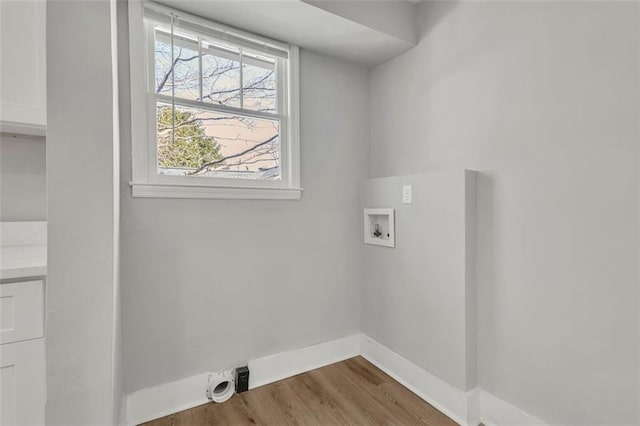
(194, 141)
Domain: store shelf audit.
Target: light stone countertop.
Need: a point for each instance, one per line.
(23, 249)
(23, 261)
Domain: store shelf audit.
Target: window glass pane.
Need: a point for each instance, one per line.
(214, 144)
(220, 74)
(185, 73)
(163, 62)
(259, 83)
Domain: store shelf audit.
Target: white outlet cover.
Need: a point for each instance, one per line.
(406, 194)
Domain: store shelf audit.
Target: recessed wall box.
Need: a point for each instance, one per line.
(242, 379)
(379, 227)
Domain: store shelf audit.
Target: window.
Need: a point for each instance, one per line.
(214, 109)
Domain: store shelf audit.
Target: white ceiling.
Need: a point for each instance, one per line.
(365, 32)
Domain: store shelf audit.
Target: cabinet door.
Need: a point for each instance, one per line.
(23, 62)
(21, 311)
(22, 383)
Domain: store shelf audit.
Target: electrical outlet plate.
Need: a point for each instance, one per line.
(379, 227)
(406, 194)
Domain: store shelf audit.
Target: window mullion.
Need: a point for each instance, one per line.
(200, 66)
(241, 80)
(224, 109)
(173, 83)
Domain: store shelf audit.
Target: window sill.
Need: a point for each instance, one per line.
(155, 190)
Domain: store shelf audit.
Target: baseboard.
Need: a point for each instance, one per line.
(276, 367)
(497, 412)
(474, 408)
(465, 408)
(169, 398)
(443, 396)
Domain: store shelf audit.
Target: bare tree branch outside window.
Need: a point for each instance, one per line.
(201, 142)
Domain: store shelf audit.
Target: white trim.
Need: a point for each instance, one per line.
(466, 408)
(208, 28)
(443, 396)
(473, 407)
(140, 81)
(497, 412)
(147, 183)
(220, 109)
(159, 190)
(276, 367)
(169, 398)
(293, 124)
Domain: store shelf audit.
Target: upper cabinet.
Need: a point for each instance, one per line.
(23, 104)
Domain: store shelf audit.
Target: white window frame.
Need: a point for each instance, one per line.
(146, 182)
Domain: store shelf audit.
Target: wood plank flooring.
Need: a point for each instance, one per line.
(351, 392)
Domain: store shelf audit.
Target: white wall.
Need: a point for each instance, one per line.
(210, 284)
(418, 298)
(542, 99)
(23, 181)
(390, 17)
(81, 337)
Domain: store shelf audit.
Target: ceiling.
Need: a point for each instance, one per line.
(364, 32)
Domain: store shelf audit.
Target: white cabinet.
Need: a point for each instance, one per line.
(22, 353)
(21, 311)
(23, 107)
(22, 383)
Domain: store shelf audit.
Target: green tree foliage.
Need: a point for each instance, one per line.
(191, 147)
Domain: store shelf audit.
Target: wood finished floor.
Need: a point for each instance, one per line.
(351, 392)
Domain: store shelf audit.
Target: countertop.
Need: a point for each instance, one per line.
(23, 249)
(23, 261)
